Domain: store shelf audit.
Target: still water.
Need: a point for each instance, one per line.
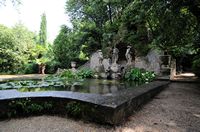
(97, 86)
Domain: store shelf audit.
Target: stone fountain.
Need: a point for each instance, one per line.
(109, 68)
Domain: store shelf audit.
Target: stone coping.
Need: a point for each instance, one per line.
(109, 108)
(110, 100)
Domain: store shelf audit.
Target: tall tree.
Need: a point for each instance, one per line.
(16, 45)
(14, 2)
(89, 18)
(65, 47)
(171, 25)
(43, 30)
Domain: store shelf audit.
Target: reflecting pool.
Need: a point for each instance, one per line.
(97, 86)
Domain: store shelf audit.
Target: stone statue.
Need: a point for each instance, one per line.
(128, 55)
(115, 55)
(73, 65)
(100, 57)
(100, 72)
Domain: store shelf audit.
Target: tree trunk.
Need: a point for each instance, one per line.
(42, 68)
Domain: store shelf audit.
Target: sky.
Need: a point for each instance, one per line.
(30, 11)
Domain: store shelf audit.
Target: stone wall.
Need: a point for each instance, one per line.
(94, 62)
(151, 62)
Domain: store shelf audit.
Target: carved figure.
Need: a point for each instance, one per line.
(100, 57)
(128, 55)
(73, 65)
(115, 55)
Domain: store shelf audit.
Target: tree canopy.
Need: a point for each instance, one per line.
(171, 25)
(14, 2)
(43, 30)
(65, 47)
(15, 46)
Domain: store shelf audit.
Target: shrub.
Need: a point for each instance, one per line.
(196, 66)
(51, 67)
(74, 108)
(139, 75)
(31, 68)
(69, 77)
(68, 74)
(85, 73)
(27, 106)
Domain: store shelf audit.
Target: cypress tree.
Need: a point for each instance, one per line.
(43, 30)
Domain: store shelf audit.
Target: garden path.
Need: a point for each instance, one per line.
(21, 77)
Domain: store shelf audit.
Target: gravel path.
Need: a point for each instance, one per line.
(176, 109)
(21, 77)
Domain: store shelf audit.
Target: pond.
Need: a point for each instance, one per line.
(97, 86)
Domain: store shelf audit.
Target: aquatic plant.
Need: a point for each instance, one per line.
(139, 75)
(85, 73)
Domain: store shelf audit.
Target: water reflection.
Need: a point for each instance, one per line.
(96, 86)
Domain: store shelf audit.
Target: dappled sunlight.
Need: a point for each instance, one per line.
(27, 76)
(187, 74)
(140, 128)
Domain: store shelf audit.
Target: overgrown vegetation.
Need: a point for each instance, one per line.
(196, 65)
(139, 75)
(167, 25)
(29, 106)
(85, 73)
(68, 77)
(79, 74)
(20, 53)
(26, 107)
(16, 46)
